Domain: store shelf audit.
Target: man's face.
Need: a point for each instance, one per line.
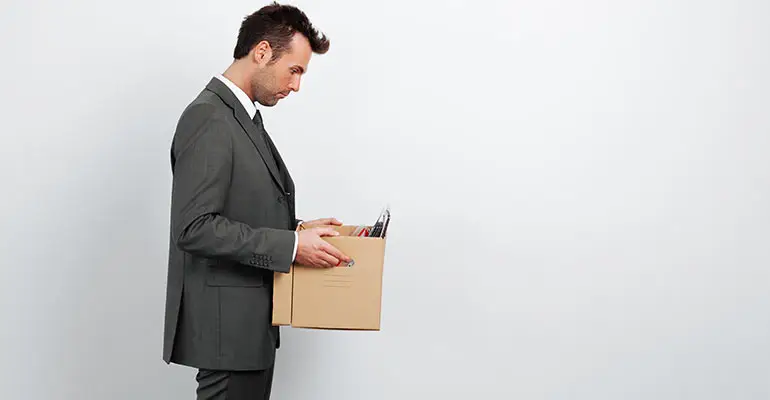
(274, 80)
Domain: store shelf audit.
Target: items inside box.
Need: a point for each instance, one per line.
(379, 229)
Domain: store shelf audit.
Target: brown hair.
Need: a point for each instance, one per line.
(277, 24)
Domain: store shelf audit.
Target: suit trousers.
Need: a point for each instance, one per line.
(234, 385)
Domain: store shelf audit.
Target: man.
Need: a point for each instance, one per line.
(233, 222)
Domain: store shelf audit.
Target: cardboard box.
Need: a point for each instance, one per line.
(341, 297)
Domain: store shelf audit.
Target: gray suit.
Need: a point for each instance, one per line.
(232, 227)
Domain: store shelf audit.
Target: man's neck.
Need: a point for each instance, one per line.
(236, 76)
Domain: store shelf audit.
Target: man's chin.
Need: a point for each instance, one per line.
(269, 103)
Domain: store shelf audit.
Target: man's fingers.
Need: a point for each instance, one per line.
(328, 260)
(332, 221)
(334, 252)
(326, 221)
(326, 232)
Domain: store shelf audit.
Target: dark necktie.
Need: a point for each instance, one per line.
(270, 145)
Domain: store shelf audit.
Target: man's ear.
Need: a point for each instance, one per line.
(262, 53)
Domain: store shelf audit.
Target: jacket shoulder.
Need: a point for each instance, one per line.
(203, 114)
(206, 105)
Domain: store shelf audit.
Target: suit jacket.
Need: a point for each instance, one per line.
(232, 227)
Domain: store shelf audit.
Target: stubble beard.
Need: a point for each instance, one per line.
(262, 94)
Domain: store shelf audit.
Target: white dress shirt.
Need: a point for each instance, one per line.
(251, 109)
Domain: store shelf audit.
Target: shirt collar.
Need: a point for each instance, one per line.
(248, 105)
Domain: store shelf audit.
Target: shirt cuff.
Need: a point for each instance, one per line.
(296, 243)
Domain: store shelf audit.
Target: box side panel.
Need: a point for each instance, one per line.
(342, 297)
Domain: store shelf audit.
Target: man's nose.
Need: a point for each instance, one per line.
(294, 85)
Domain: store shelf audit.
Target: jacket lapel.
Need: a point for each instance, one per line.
(221, 90)
(286, 175)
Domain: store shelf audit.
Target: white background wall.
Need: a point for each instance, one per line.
(580, 194)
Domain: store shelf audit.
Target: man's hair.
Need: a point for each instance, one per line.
(277, 24)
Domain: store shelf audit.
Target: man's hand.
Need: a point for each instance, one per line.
(312, 251)
(321, 222)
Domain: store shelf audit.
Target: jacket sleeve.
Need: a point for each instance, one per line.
(202, 160)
